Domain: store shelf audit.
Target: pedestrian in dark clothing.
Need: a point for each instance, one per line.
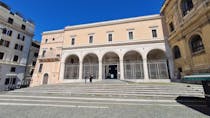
(91, 78)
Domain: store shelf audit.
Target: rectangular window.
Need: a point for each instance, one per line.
(21, 48)
(16, 46)
(32, 72)
(90, 39)
(43, 53)
(15, 59)
(7, 43)
(23, 27)
(110, 37)
(1, 55)
(73, 41)
(130, 34)
(4, 31)
(46, 40)
(13, 69)
(171, 26)
(4, 43)
(1, 42)
(23, 38)
(6, 81)
(14, 80)
(18, 36)
(40, 68)
(9, 33)
(36, 54)
(10, 20)
(34, 63)
(154, 33)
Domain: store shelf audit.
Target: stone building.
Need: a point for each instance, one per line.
(15, 39)
(32, 58)
(130, 49)
(188, 30)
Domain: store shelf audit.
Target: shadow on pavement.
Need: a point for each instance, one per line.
(196, 103)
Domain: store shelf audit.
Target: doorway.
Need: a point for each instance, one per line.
(45, 79)
(111, 72)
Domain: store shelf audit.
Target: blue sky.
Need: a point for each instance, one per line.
(56, 14)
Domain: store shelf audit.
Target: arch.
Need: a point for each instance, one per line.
(156, 54)
(133, 66)
(69, 59)
(110, 57)
(89, 55)
(90, 66)
(72, 67)
(186, 6)
(157, 64)
(176, 52)
(127, 56)
(45, 79)
(111, 66)
(196, 44)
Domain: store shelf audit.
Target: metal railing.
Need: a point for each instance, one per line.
(158, 70)
(71, 71)
(133, 70)
(90, 69)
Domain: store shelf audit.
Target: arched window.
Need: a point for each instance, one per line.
(196, 44)
(176, 52)
(186, 6)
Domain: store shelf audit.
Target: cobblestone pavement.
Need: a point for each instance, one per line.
(104, 100)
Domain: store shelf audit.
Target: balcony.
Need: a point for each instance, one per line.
(49, 57)
(11, 63)
(199, 8)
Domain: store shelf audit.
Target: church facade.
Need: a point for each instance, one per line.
(131, 49)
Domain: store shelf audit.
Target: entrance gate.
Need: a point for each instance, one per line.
(111, 71)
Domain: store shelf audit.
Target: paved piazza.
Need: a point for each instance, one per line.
(107, 99)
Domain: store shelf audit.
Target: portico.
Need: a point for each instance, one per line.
(130, 61)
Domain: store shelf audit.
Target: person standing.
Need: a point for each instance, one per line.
(91, 78)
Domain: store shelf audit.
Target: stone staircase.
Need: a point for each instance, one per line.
(116, 89)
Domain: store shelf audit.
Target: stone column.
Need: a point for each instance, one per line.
(100, 70)
(80, 70)
(121, 69)
(62, 72)
(146, 73)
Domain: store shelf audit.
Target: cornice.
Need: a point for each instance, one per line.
(116, 44)
(114, 22)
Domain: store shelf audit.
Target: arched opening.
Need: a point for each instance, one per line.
(176, 52)
(186, 6)
(72, 67)
(111, 67)
(90, 66)
(133, 66)
(45, 79)
(157, 64)
(196, 44)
